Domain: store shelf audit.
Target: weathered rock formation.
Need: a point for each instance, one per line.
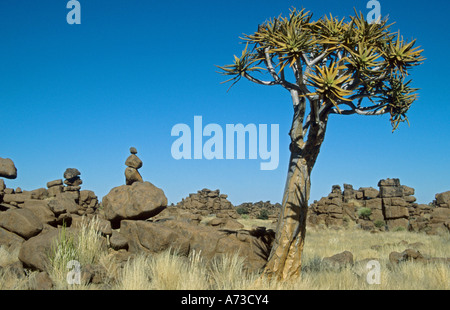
(391, 207)
(260, 210)
(207, 202)
(26, 217)
(135, 218)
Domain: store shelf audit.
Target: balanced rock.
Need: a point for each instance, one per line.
(72, 179)
(7, 168)
(133, 163)
(71, 173)
(138, 201)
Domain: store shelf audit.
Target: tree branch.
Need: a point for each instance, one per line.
(258, 81)
(267, 60)
(371, 110)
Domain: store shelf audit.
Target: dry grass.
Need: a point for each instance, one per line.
(168, 271)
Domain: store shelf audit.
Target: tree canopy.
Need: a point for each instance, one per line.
(335, 64)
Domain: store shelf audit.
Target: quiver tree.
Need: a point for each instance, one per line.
(329, 66)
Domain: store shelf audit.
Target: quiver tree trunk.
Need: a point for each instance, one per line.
(285, 258)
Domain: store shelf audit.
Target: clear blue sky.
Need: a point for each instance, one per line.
(80, 95)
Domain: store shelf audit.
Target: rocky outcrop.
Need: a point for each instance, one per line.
(134, 217)
(207, 202)
(27, 217)
(390, 207)
(260, 210)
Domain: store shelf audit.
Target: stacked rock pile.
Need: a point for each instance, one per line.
(73, 183)
(133, 163)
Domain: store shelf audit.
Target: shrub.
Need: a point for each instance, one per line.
(364, 213)
(399, 228)
(379, 223)
(263, 214)
(242, 210)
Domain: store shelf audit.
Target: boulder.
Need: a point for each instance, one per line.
(75, 182)
(408, 191)
(10, 241)
(440, 215)
(118, 241)
(407, 255)
(132, 175)
(369, 192)
(21, 221)
(63, 204)
(95, 274)
(225, 223)
(395, 224)
(395, 212)
(55, 190)
(41, 210)
(87, 196)
(35, 252)
(153, 238)
(41, 282)
(54, 183)
(391, 191)
(16, 198)
(339, 260)
(389, 182)
(7, 168)
(16, 269)
(40, 193)
(138, 201)
(71, 173)
(375, 203)
(443, 199)
(184, 237)
(133, 161)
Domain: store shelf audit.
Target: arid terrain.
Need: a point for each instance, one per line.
(168, 271)
(62, 237)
